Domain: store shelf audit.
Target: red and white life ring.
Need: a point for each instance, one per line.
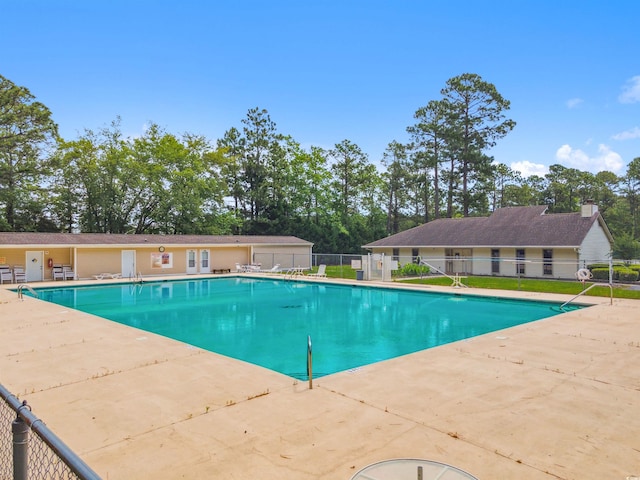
(584, 274)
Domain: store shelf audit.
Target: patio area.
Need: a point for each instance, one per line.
(557, 398)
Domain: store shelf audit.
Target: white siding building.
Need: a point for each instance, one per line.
(524, 241)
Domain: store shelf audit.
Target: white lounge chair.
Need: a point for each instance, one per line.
(101, 276)
(19, 275)
(57, 272)
(275, 269)
(6, 274)
(320, 272)
(68, 272)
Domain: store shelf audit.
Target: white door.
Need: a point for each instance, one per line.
(34, 268)
(128, 263)
(457, 263)
(205, 266)
(192, 262)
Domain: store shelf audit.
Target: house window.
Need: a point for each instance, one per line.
(520, 261)
(396, 254)
(495, 260)
(415, 255)
(547, 262)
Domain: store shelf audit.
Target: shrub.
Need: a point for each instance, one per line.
(604, 265)
(620, 273)
(413, 270)
(600, 273)
(628, 275)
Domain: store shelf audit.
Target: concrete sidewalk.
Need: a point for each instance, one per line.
(553, 399)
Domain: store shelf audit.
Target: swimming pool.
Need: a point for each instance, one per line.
(267, 321)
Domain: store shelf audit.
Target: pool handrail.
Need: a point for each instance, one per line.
(136, 277)
(589, 288)
(294, 271)
(455, 279)
(22, 286)
(309, 362)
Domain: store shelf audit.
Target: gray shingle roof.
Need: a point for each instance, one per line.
(96, 239)
(506, 227)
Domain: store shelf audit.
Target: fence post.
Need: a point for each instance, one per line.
(20, 432)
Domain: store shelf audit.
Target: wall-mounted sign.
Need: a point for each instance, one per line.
(162, 260)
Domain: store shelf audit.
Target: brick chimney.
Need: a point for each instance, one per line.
(589, 208)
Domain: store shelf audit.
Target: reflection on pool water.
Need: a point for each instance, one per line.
(267, 322)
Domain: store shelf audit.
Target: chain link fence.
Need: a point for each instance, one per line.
(349, 266)
(30, 451)
(284, 260)
(370, 266)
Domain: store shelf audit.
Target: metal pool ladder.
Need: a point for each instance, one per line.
(136, 278)
(22, 286)
(292, 272)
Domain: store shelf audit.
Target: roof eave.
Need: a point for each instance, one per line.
(471, 246)
(150, 244)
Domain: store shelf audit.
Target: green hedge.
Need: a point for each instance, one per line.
(600, 273)
(604, 265)
(620, 273)
(628, 275)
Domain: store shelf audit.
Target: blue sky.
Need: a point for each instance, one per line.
(333, 70)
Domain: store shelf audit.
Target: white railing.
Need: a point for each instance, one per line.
(589, 288)
(22, 286)
(455, 279)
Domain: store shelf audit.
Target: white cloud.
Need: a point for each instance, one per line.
(627, 134)
(139, 134)
(574, 102)
(526, 168)
(606, 159)
(631, 91)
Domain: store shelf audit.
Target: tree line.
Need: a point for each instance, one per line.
(256, 180)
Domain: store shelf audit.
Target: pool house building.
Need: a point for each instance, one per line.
(512, 241)
(89, 255)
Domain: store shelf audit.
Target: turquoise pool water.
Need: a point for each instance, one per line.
(266, 322)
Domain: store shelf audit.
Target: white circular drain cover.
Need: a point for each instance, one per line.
(411, 469)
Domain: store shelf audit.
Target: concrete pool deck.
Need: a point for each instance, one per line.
(554, 399)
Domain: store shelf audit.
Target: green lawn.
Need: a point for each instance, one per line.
(532, 285)
(337, 271)
(503, 283)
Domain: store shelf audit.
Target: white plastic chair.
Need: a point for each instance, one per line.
(275, 269)
(57, 272)
(320, 272)
(19, 274)
(6, 274)
(69, 274)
